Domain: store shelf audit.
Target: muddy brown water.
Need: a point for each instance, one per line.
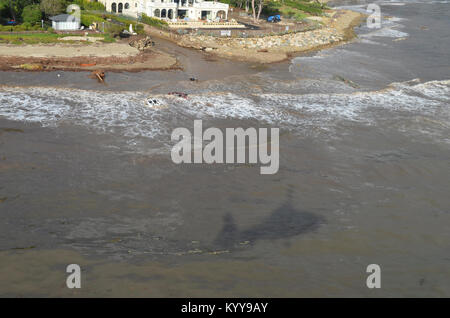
(86, 175)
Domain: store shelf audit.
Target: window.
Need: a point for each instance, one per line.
(127, 6)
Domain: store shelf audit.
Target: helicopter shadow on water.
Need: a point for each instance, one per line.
(284, 222)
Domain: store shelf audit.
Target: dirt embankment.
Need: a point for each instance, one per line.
(81, 57)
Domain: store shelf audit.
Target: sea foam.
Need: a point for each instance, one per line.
(126, 114)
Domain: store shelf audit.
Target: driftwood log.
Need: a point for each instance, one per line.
(99, 75)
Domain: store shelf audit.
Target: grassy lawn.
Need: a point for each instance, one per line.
(113, 24)
(290, 12)
(312, 8)
(296, 9)
(42, 38)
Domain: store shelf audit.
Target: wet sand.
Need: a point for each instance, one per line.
(190, 64)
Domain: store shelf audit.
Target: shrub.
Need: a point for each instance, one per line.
(52, 7)
(157, 23)
(98, 6)
(87, 5)
(289, 13)
(32, 14)
(309, 7)
(300, 16)
(88, 19)
(272, 8)
(114, 29)
(139, 28)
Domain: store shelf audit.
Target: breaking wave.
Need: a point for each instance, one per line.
(127, 114)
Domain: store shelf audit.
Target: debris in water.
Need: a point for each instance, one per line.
(178, 94)
(24, 248)
(156, 104)
(218, 252)
(10, 130)
(99, 75)
(346, 81)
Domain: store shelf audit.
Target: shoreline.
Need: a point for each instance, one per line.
(141, 62)
(338, 30)
(118, 57)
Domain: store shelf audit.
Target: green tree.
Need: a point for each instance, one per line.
(53, 7)
(31, 14)
(259, 6)
(90, 5)
(12, 9)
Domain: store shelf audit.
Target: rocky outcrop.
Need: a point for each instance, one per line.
(300, 39)
(143, 43)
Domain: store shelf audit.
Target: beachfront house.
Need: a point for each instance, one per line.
(65, 22)
(192, 10)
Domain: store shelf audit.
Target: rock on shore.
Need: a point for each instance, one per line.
(143, 43)
(275, 48)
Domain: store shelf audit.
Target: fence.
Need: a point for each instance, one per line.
(251, 31)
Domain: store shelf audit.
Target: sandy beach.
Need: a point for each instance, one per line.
(73, 57)
(64, 50)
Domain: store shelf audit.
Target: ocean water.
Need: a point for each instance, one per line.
(86, 175)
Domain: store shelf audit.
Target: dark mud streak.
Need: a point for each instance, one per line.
(2, 130)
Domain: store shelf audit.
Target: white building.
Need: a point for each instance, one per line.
(192, 10)
(65, 22)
